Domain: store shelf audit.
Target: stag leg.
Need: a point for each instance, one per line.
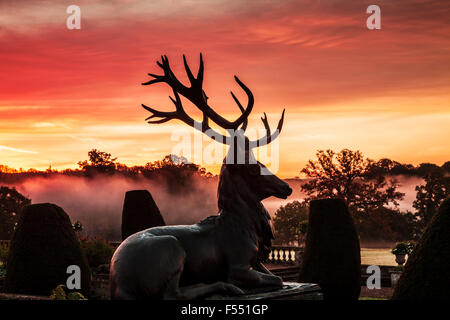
(262, 268)
(241, 276)
(175, 292)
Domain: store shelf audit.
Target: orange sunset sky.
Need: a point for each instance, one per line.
(384, 92)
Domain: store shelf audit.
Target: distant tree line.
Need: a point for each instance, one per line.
(176, 171)
(171, 168)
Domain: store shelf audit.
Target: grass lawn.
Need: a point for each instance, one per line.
(380, 257)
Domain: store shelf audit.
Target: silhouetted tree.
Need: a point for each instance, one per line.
(381, 167)
(11, 205)
(99, 162)
(345, 175)
(426, 169)
(385, 224)
(6, 169)
(446, 167)
(288, 223)
(177, 172)
(430, 196)
(403, 169)
(385, 167)
(362, 184)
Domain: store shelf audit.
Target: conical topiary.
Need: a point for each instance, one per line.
(140, 212)
(426, 274)
(44, 245)
(332, 256)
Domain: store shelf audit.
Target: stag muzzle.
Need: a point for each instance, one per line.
(276, 187)
(285, 192)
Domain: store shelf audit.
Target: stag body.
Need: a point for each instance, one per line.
(223, 252)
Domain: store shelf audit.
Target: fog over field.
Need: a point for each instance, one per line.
(97, 202)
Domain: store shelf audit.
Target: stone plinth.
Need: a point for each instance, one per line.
(290, 291)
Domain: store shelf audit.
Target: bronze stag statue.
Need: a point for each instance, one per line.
(223, 253)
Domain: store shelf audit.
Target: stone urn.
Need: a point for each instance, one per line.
(400, 258)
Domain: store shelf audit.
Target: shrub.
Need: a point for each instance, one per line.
(11, 205)
(403, 248)
(3, 255)
(97, 251)
(59, 293)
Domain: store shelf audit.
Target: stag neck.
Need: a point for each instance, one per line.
(251, 221)
(247, 214)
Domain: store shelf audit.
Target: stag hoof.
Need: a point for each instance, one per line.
(230, 288)
(279, 281)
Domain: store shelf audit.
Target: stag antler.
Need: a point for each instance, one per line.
(180, 114)
(269, 137)
(197, 96)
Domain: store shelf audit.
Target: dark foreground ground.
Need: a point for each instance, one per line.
(383, 293)
(290, 273)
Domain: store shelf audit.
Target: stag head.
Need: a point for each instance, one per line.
(240, 167)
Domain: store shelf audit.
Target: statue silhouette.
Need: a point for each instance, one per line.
(222, 253)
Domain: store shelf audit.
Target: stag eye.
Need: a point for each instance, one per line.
(254, 169)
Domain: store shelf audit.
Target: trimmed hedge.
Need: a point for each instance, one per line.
(332, 256)
(426, 274)
(140, 212)
(42, 248)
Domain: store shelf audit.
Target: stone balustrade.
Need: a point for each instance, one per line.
(285, 255)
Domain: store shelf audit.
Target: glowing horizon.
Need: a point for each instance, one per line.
(384, 92)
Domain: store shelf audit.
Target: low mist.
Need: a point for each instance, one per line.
(97, 202)
(407, 185)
